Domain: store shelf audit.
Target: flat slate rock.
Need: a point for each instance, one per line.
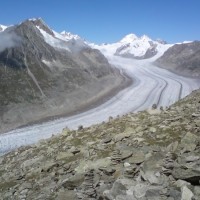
(137, 158)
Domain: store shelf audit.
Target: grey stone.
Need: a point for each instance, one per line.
(151, 167)
(74, 150)
(181, 183)
(140, 190)
(152, 129)
(153, 194)
(192, 158)
(25, 186)
(172, 147)
(126, 154)
(107, 140)
(189, 142)
(176, 194)
(118, 189)
(197, 191)
(137, 158)
(121, 136)
(189, 175)
(186, 193)
(107, 170)
(73, 182)
(64, 195)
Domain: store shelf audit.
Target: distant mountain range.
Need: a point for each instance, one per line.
(44, 73)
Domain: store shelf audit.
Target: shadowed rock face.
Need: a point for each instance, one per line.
(38, 80)
(182, 58)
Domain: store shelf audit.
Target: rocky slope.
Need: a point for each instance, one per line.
(182, 58)
(145, 156)
(43, 74)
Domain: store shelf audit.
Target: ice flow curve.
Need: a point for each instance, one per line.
(150, 85)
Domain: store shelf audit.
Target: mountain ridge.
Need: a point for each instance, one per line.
(43, 75)
(182, 59)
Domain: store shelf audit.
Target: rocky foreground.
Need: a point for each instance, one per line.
(145, 156)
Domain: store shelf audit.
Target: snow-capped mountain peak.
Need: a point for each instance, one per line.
(38, 20)
(129, 38)
(69, 36)
(132, 46)
(39, 23)
(64, 40)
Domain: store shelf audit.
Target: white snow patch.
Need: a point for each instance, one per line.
(33, 19)
(59, 36)
(55, 64)
(48, 63)
(185, 42)
(3, 28)
(54, 42)
(69, 36)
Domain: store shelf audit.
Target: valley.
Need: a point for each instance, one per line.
(50, 80)
(86, 121)
(151, 85)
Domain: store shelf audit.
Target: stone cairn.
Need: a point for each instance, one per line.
(116, 157)
(87, 188)
(168, 163)
(130, 171)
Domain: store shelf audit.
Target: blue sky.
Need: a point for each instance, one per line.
(109, 20)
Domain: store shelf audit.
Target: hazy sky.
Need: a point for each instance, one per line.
(109, 20)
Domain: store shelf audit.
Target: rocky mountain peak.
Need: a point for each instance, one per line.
(132, 46)
(39, 22)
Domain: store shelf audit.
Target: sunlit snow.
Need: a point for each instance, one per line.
(55, 42)
(2, 27)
